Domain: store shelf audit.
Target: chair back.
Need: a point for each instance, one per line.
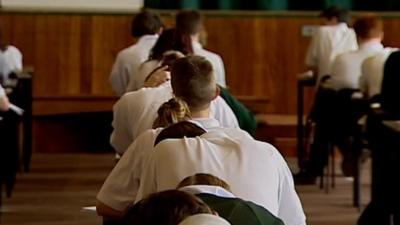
(391, 84)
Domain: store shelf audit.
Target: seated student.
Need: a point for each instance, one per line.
(4, 103)
(346, 69)
(165, 208)
(192, 81)
(330, 40)
(190, 22)
(135, 112)
(169, 40)
(146, 26)
(11, 59)
(216, 194)
(372, 73)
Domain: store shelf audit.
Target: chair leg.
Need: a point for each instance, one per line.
(333, 167)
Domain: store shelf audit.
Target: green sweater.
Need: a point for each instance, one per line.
(240, 212)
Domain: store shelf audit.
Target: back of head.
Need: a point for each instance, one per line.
(146, 23)
(171, 112)
(179, 130)
(169, 40)
(165, 208)
(368, 27)
(335, 12)
(193, 80)
(189, 22)
(203, 179)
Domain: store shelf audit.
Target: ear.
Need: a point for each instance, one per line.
(217, 92)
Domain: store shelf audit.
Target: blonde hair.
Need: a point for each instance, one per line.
(171, 112)
(203, 179)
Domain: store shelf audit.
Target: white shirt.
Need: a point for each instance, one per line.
(207, 189)
(2, 92)
(346, 69)
(12, 61)
(254, 170)
(143, 71)
(214, 59)
(328, 42)
(372, 72)
(121, 186)
(128, 61)
(136, 111)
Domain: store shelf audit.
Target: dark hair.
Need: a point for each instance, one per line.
(192, 79)
(146, 22)
(173, 111)
(342, 15)
(203, 179)
(169, 58)
(179, 130)
(369, 26)
(189, 22)
(165, 208)
(171, 39)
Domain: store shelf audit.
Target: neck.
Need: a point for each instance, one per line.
(195, 37)
(202, 114)
(370, 41)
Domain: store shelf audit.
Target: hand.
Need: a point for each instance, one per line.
(158, 77)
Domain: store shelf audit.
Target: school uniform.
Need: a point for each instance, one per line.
(128, 61)
(328, 42)
(2, 92)
(11, 61)
(214, 59)
(143, 72)
(121, 186)
(346, 69)
(255, 170)
(136, 111)
(235, 210)
(372, 73)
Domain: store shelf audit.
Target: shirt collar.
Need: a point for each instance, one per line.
(373, 45)
(196, 45)
(207, 189)
(147, 37)
(206, 123)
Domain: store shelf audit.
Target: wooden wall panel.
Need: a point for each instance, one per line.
(72, 54)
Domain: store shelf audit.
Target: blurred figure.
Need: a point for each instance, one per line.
(10, 59)
(190, 22)
(329, 40)
(146, 26)
(204, 219)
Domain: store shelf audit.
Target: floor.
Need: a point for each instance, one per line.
(59, 185)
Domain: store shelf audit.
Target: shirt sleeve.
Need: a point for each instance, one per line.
(2, 92)
(220, 72)
(312, 52)
(120, 75)
(221, 111)
(121, 137)
(363, 78)
(290, 208)
(148, 178)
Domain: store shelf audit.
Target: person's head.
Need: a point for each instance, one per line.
(368, 27)
(146, 23)
(169, 40)
(189, 22)
(171, 112)
(193, 80)
(203, 179)
(165, 208)
(179, 130)
(334, 15)
(169, 57)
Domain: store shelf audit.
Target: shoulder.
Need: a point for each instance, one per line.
(14, 50)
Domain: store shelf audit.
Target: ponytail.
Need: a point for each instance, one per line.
(171, 112)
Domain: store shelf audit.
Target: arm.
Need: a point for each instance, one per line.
(120, 74)
(121, 137)
(4, 103)
(108, 212)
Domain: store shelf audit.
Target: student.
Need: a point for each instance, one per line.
(11, 59)
(372, 73)
(136, 111)
(330, 40)
(165, 208)
(192, 81)
(146, 26)
(216, 194)
(191, 22)
(346, 69)
(169, 40)
(4, 103)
